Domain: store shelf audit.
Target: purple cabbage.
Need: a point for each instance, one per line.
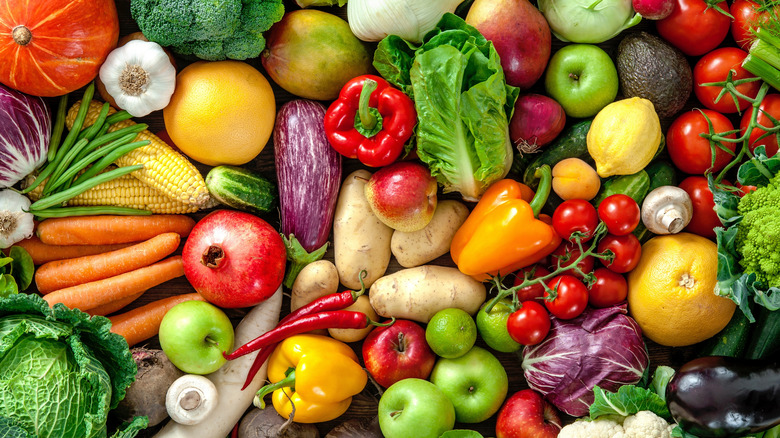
(601, 347)
(25, 130)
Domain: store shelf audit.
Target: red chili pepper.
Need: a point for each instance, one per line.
(370, 121)
(344, 319)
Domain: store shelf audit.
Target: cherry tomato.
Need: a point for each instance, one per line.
(534, 291)
(704, 219)
(626, 248)
(620, 213)
(690, 152)
(609, 289)
(530, 324)
(694, 28)
(744, 190)
(570, 252)
(571, 298)
(770, 105)
(575, 215)
(715, 67)
(746, 15)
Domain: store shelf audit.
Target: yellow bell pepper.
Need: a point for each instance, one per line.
(317, 374)
(505, 232)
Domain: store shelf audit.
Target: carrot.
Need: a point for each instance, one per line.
(114, 306)
(142, 323)
(42, 253)
(107, 229)
(71, 272)
(97, 293)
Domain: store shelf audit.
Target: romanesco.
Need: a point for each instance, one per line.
(208, 29)
(758, 234)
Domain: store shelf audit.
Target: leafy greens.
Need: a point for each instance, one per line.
(16, 271)
(630, 399)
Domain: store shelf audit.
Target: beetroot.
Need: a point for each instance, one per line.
(537, 120)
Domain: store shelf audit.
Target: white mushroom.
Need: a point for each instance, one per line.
(667, 210)
(190, 399)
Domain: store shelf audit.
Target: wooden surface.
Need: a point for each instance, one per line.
(364, 405)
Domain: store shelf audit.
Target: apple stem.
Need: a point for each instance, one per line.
(574, 76)
(395, 413)
(213, 256)
(401, 343)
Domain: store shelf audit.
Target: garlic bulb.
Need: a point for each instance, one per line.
(372, 20)
(16, 224)
(139, 76)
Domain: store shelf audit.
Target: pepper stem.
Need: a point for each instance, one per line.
(357, 293)
(287, 382)
(543, 191)
(367, 118)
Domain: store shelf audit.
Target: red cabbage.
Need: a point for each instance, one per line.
(601, 347)
(25, 129)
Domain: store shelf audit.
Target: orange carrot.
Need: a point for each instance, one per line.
(114, 306)
(97, 293)
(106, 229)
(71, 272)
(42, 253)
(142, 323)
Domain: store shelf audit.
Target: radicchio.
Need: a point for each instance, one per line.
(25, 129)
(601, 347)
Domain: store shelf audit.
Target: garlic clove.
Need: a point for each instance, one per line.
(16, 224)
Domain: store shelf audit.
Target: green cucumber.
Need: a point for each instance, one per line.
(571, 143)
(661, 173)
(635, 185)
(241, 189)
(732, 341)
(765, 341)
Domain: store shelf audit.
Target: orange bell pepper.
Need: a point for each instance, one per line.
(505, 232)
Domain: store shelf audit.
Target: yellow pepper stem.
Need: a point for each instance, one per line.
(287, 382)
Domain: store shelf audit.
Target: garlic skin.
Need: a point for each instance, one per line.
(16, 224)
(139, 76)
(372, 20)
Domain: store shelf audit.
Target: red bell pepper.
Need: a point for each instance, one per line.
(370, 121)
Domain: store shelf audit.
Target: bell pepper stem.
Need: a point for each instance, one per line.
(367, 118)
(299, 258)
(543, 191)
(287, 382)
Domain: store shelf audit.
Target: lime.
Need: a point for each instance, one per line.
(492, 327)
(451, 333)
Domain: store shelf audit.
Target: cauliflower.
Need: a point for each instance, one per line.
(643, 424)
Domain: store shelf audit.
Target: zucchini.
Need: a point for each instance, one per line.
(661, 173)
(732, 341)
(765, 342)
(571, 143)
(241, 189)
(636, 186)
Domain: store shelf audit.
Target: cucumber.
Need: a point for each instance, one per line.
(241, 189)
(571, 143)
(765, 342)
(635, 185)
(661, 173)
(732, 341)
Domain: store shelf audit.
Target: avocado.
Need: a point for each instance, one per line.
(649, 67)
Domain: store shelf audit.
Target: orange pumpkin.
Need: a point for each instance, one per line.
(52, 47)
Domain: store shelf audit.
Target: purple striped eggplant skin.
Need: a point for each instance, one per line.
(308, 172)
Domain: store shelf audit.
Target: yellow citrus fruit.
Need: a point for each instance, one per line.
(671, 292)
(221, 112)
(451, 333)
(492, 327)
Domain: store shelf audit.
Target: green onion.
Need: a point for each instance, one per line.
(78, 189)
(88, 211)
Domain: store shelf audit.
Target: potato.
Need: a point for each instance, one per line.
(266, 423)
(418, 293)
(575, 179)
(315, 280)
(353, 335)
(419, 247)
(360, 240)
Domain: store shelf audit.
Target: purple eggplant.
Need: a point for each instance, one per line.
(308, 172)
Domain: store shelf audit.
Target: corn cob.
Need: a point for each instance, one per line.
(128, 191)
(165, 169)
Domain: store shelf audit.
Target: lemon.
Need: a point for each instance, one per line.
(671, 292)
(451, 333)
(492, 327)
(624, 137)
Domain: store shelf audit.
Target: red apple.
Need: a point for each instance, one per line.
(526, 414)
(398, 352)
(403, 195)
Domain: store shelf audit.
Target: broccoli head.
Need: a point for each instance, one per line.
(208, 29)
(758, 234)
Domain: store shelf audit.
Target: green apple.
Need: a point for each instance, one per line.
(476, 383)
(415, 408)
(193, 335)
(582, 78)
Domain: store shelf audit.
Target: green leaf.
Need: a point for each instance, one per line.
(628, 400)
(10, 428)
(726, 203)
(663, 374)
(129, 430)
(22, 267)
(677, 432)
(729, 270)
(758, 170)
(5, 260)
(8, 285)
(393, 59)
(461, 433)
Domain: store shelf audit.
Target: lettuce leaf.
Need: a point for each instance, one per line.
(630, 399)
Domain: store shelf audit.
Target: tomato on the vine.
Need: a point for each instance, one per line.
(609, 289)
(571, 297)
(627, 251)
(530, 324)
(534, 291)
(575, 215)
(715, 67)
(704, 219)
(620, 213)
(566, 253)
(692, 153)
(744, 190)
(747, 14)
(769, 105)
(694, 27)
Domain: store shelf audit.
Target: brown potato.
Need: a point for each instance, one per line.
(353, 335)
(315, 280)
(420, 247)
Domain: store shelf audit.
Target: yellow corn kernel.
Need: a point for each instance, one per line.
(164, 168)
